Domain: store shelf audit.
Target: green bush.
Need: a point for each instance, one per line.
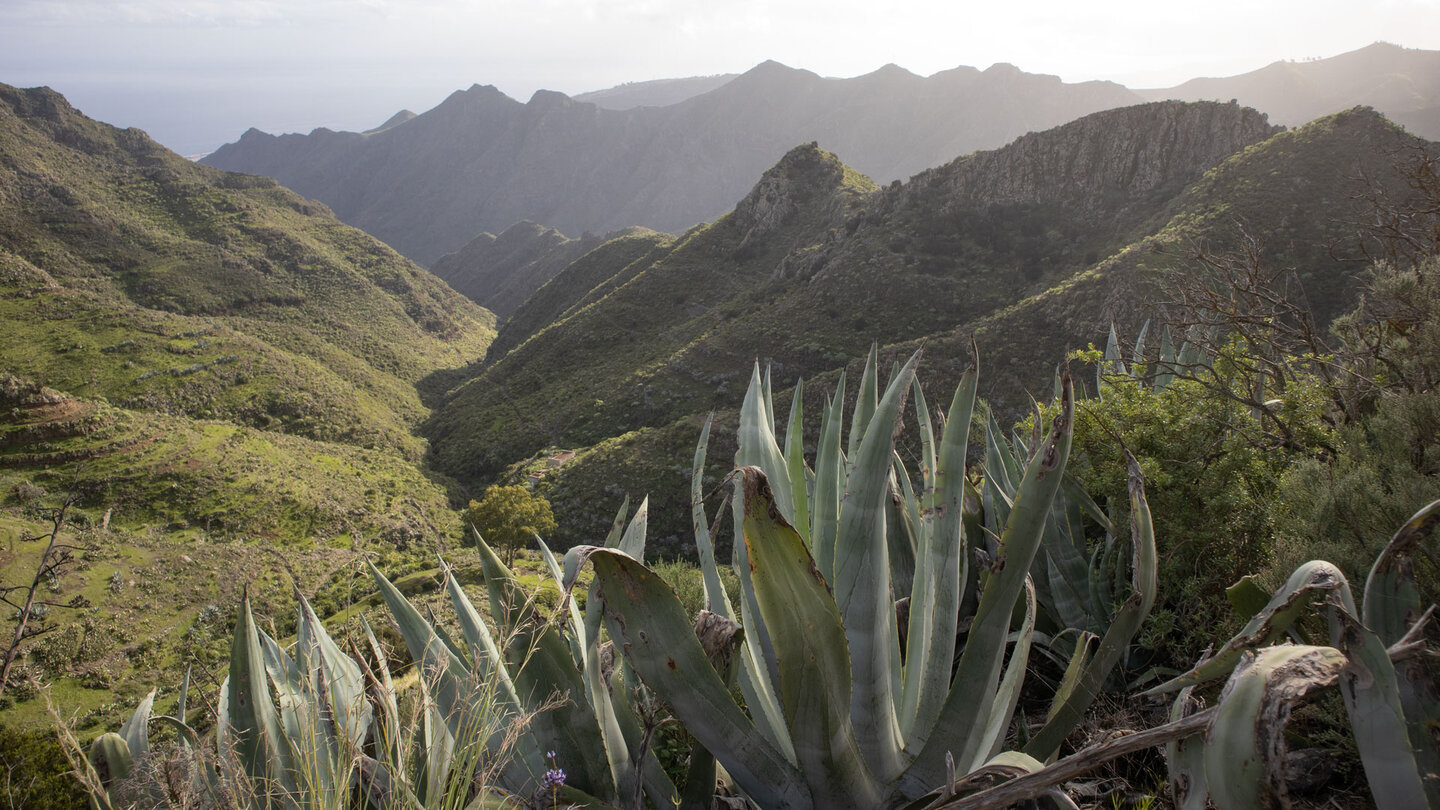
(35, 772)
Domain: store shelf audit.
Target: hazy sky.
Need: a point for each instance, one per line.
(197, 73)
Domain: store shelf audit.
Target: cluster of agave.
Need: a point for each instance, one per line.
(879, 641)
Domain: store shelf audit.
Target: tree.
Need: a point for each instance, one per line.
(509, 516)
(31, 607)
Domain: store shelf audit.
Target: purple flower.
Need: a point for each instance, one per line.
(554, 778)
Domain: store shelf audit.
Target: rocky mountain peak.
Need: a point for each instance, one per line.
(1126, 153)
(805, 178)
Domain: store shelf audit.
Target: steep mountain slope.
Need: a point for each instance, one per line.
(816, 263)
(1032, 249)
(587, 279)
(131, 273)
(500, 272)
(220, 381)
(1402, 83)
(481, 161)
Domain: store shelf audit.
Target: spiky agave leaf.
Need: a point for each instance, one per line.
(1245, 747)
(960, 729)
(797, 608)
(645, 619)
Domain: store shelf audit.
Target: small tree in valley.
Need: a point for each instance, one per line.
(509, 516)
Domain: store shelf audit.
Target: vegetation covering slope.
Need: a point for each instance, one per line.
(131, 273)
(501, 272)
(206, 369)
(815, 264)
(587, 279)
(964, 250)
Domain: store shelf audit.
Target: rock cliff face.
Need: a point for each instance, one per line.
(480, 161)
(1089, 165)
(816, 263)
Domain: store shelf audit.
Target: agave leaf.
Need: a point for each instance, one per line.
(862, 583)
(542, 667)
(814, 665)
(1121, 630)
(942, 565)
(1137, 354)
(1002, 709)
(902, 529)
(866, 401)
(382, 694)
(647, 622)
(576, 636)
(1112, 365)
(1244, 754)
(182, 701)
(768, 398)
(459, 692)
(110, 756)
(1079, 658)
(975, 540)
(928, 461)
(486, 661)
(716, 599)
(757, 445)
(1185, 759)
(632, 542)
(619, 727)
(959, 728)
(136, 729)
(758, 691)
(1372, 699)
(253, 729)
(795, 461)
(1069, 573)
(1247, 597)
(312, 738)
(720, 638)
(829, 484)
(1311, 581)
(617, 528)
(1165, 367)
(342, 683)
(438, 752)
(1392, 599)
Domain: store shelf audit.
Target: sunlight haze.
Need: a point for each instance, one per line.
(197, 74)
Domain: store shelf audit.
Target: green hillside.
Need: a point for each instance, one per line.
(930, 263)
(220, 378)
(159, 284)
(815, 264)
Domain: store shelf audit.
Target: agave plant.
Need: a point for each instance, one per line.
(837, 711)
(1377, 655)
(308, 727)
(557, 698)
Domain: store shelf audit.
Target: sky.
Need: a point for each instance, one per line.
(197, 73)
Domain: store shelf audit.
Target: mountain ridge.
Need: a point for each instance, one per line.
(481, 161)
(813, 265)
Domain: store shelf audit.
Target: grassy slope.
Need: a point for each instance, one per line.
(237, 378)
